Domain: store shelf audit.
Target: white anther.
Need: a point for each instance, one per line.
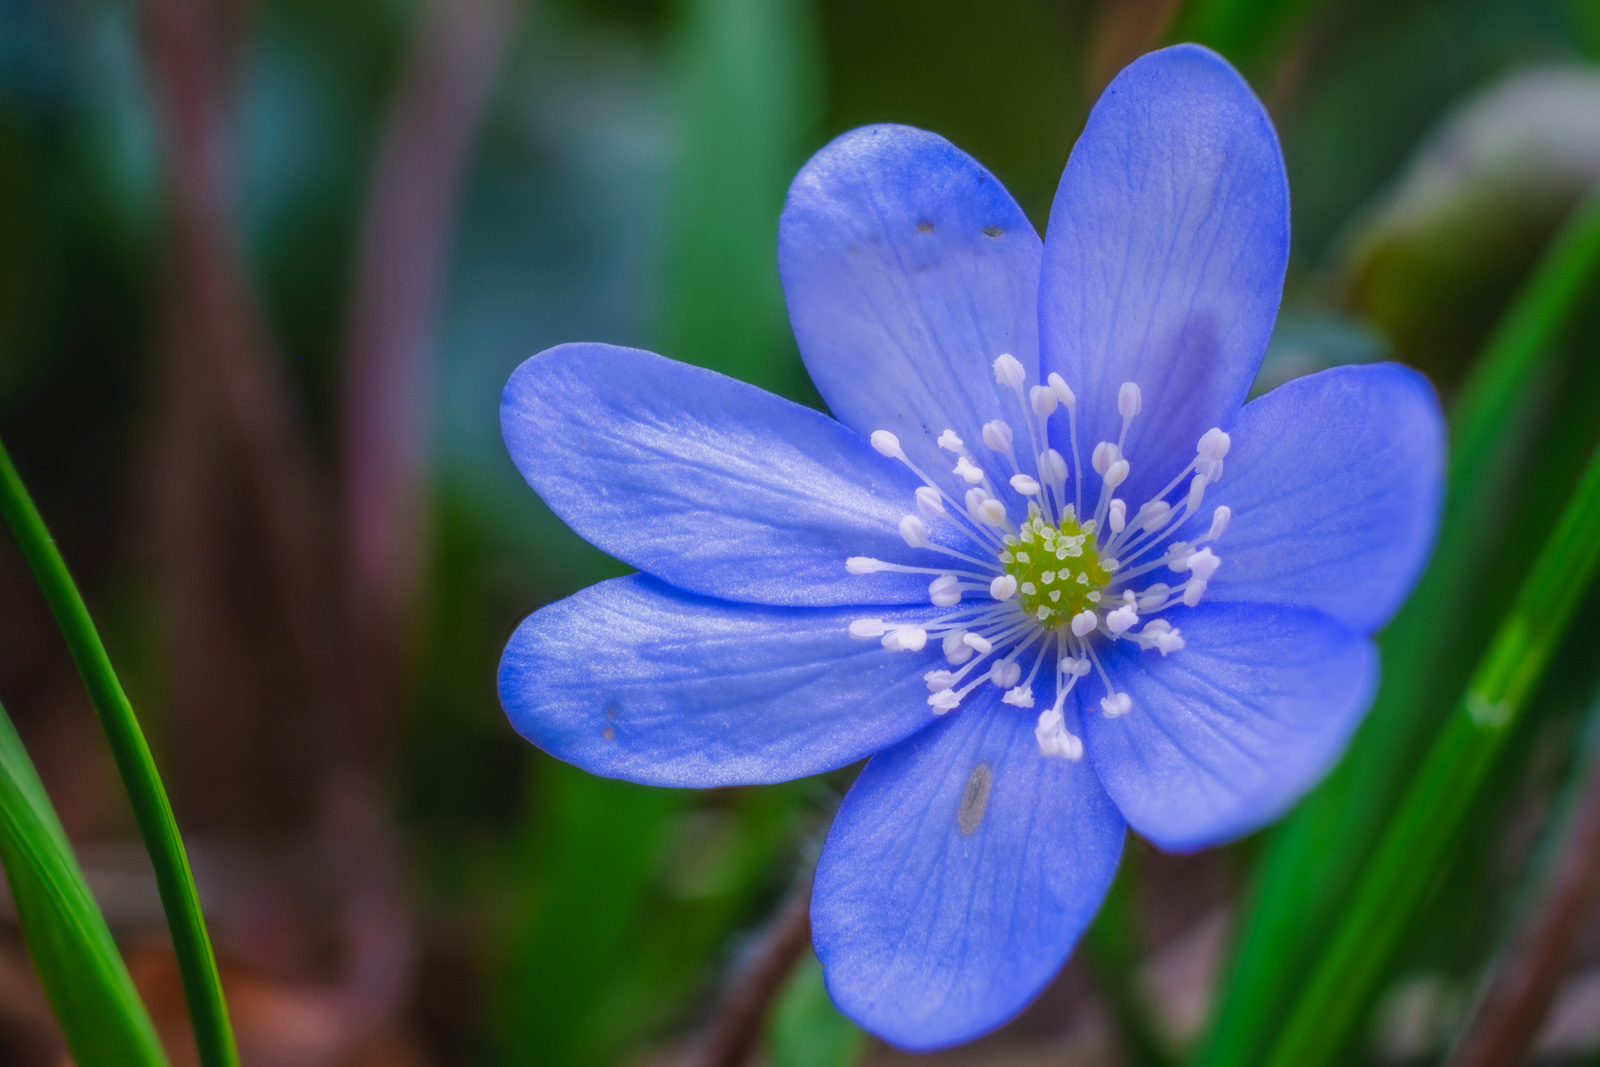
(1005, 673)
(1166, 636)
(1203, 564)
(1154, 597)
(864, 565)
(1008, 371)
(1084, 622)
(1197, 492)
(1003, 587)
(1076, 667)
(1211, 469)
(1024, 485)
(945, 590)
(867, 629)
(1219, 522)
(1117, 516)
(1128, 400)
(905, 639)
(1105, 454)
(1053, 738)
(1154, 514)
(975, 496)
(956, 650)
(1053, 467)
(978, 643)
(950, 442)
(1121, 620)
(967, 471)
(913, 530)
(1213, 445)
(1064, 393)
(998, 436)
(939, 680)
(1044, 400)
(943, 701)
(1117, 474)
(1020, 697)
(887, 444)
(1116, 704)
(1193, 589)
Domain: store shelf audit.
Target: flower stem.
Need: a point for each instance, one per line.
(192, 945)
(1426, 825)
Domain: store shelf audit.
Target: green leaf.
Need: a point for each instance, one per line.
(1310, 863)
(1413, 852)
(148, 797)
(806, 1030)
(94, 1000)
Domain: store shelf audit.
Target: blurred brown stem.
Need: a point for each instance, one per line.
(1525, 982)
(735, 1027)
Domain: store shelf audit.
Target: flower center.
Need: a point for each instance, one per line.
(1057, 568)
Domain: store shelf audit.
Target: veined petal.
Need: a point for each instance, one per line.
(1165, 257)
(908, 270)
(960, 871)
(633, 679)
(1225, 735)
(1334, 481)
(707, 483)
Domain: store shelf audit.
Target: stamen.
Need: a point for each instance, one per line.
(992, 512)
(905, 639)
(951, 443)
(928, 501)
(1203, 564)
(968, 471)
(945, 590)
(1053, 738)
(978, 643)
(914, 532)
(1053, 468)
(1122, 619)
(1118, 517)
(1085, 622)
(998, 436)
(887, 444)
(1024, 485)
(1116, 704)
(1104, 454)
(956, 649)
(1129, 400)
(1043, 400)
(1008, 371)
(1003, 587)
(1219, 522)
(1005, 673)
(867, 629)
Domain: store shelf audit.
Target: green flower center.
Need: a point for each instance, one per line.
(1057, 569)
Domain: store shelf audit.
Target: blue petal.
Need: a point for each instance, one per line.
(708, 483)
(1227, 733)
(634, 679)
(960, 871)
(1165, 258)
(908, 269)
(1335, 482)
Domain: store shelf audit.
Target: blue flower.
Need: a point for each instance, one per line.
(1014, 549)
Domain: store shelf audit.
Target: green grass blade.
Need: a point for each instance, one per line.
(104, 1022)
(1310, 862)
(1413, 851)
(196, 963)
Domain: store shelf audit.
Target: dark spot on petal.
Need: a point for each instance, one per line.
(611, 712)
(975, 798)
(924, 226)
(992, 231)
(609, 734)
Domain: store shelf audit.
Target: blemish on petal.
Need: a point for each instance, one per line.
(924, 226)
(609, 734)
(975, 798)
(992, 231)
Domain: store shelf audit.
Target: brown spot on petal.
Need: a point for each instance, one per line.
(992, 231)
(609, 734)
(975, 798)
(924, 226)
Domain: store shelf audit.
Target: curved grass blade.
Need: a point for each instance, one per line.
(94, 1000)
(1413, 851)
(196, 964)
(1310, 862)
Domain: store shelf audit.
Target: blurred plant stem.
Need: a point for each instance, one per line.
(1526, 979)
(734, 1029)
(1425, 826)
(1112, 946)
(1311, 862)
(190, 941)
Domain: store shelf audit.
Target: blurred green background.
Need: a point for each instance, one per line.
(264, 268)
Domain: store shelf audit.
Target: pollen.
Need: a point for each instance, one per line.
(1074, 576)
